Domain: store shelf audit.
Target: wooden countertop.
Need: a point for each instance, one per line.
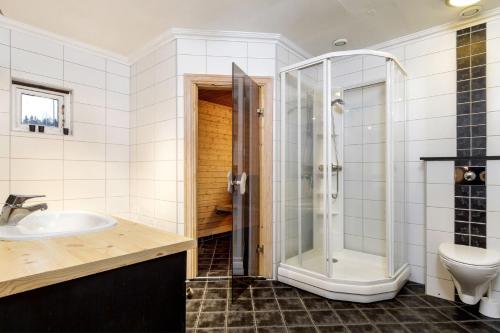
(26, 265)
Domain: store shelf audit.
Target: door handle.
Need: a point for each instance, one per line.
(242, 183)
(231, 183)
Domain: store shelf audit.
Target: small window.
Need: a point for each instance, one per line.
(40, 106)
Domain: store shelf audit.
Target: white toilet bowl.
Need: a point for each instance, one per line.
(472, 270)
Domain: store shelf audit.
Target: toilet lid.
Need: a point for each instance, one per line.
(470, 255)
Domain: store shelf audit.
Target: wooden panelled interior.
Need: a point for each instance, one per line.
(214, 161)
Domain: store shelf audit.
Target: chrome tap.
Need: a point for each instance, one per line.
(13, 210)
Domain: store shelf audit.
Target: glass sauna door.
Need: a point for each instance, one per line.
(303, 170)
(245, 175)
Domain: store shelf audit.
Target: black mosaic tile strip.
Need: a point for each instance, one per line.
(470, 201)
(271, 306)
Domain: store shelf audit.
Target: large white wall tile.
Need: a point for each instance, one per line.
(36, 64)
(84, 75)
(227, 49)
(84, 58)
(37, 44)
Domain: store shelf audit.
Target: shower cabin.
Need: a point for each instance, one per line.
(343, 207)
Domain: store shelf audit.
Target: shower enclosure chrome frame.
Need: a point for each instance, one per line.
(325, 284)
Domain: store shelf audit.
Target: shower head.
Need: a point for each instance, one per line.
(338, 101)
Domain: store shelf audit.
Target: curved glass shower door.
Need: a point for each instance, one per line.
(303, 130)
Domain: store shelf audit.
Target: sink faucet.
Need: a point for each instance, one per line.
(13, 210)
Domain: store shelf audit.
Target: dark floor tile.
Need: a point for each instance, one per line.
(435, 301)
(237, 293)
(340, 305)
(271, 329)
(456, 314)
(240, 330)
(278, 284)
(361, 328)
(391, 328)
(379, 316)
(193, 305)
(240, 319)
(494, 324)
(420, 328)
(324, 317)
(405, 291)
(196, 284)
(202, 273)
(263, 293)
(449, 328)
(216, 293)
(352, 316)
(413, 301)
(478, 327)
(431, 315)
(218, 273)
(290, 304)
(214, 305)
(332, 329)
(217, 267)
(212, 319)
(417, 289)
(374, 305)
(305, 294)
(391, 304)
(405, 315)
(301, 329)
(241, 304)
(217, 284)
(268, 318)
(297, 318)
(197, 293)
(210, 330)
(265, 304)
(285, 292)
(262, 284)
(316, 303)
(474, 311)
(191, 319)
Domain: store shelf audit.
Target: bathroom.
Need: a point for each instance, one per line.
(332, 167)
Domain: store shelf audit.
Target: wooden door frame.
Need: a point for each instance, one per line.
(191, 84)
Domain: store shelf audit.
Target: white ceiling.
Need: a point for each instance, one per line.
(122, 26)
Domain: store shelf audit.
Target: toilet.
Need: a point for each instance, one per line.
(472, 270)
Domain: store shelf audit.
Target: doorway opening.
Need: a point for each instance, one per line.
(209, 137)
(214, 221)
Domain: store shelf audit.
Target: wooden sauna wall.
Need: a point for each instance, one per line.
(214, 161)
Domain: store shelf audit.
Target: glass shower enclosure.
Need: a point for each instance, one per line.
(343, 172)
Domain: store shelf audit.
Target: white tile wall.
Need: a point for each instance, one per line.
(72, 170)
(439, 226)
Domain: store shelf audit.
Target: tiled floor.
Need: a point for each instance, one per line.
(214, 256)
(270, 306)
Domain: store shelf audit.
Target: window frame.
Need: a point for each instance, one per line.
(64, 106)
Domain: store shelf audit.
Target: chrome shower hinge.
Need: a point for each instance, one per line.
(260, 111)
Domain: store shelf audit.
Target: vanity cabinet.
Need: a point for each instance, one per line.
(148, 296)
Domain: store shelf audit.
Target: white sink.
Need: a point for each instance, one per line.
(52, 224)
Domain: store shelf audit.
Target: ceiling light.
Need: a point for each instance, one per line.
(470, 11)
(340, 42)
(461, 3)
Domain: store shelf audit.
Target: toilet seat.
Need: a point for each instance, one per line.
(472, 256)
